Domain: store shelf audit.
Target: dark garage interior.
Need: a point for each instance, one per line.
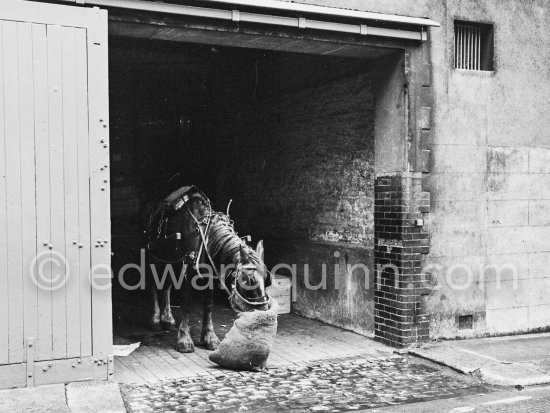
(288, 137)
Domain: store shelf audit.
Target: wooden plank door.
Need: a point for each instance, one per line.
(54, 191)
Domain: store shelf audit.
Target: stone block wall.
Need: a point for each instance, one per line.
(303, 164)
(518, 202)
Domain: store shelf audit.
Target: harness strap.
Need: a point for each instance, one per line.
(189, 257)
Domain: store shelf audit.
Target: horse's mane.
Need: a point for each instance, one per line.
(224, 244)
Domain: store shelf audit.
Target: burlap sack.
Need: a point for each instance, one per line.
(248, 344)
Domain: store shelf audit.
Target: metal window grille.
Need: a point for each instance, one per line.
(467, 47)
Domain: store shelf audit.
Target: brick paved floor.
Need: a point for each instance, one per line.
(332, 385)
(299, 340)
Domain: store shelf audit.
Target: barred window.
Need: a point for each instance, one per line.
(474, 46)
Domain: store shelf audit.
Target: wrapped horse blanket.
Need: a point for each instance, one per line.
(248, 344)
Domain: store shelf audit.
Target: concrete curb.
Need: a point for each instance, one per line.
(439, 359)
(490, 370)
(49, 398)
(95, 397)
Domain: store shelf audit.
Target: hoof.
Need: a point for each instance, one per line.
(167, 320)
(166, 326)
(210, 341)
(185, 346)
(155, 326)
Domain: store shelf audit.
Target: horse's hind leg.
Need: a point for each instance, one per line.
(208, 335)
(184, 343)
(166, 317)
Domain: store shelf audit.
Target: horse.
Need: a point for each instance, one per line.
(183, 237)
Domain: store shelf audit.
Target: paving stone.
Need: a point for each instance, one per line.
(335, 386)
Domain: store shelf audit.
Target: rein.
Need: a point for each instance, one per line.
(222, 247)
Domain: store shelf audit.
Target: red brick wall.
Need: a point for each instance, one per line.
(400, 246)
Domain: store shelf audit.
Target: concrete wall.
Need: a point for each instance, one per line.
(489, 181)
(331, 284)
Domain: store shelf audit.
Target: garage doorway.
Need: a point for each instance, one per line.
(289, 138)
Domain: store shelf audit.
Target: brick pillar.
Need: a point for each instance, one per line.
(399, 244)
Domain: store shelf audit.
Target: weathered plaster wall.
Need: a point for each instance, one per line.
(489, 180)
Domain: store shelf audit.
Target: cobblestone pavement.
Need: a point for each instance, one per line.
(336, 386)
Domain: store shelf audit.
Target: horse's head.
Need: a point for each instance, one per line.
(251, 280)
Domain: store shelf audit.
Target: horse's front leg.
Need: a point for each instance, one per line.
(184, 342)
(166, 317)
(155, 318)
(208, 335)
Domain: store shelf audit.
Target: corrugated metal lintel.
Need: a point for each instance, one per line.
(415, 27)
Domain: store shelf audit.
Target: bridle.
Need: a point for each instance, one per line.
(257, 301)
